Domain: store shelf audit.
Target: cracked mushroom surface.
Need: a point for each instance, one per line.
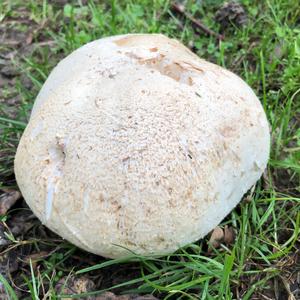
(135, 142)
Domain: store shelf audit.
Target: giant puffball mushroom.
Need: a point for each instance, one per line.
(134, 143)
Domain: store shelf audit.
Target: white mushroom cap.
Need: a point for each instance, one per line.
(135, 142)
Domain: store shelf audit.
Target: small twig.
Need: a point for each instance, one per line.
(45, 43)
(287, 288)
(235, 64)
(180, 9)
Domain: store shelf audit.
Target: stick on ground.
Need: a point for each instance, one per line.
(180, 9)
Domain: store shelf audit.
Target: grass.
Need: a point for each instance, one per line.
(264, 258)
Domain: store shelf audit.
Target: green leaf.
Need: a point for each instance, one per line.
(280, 31)
(297, 47)
(68, 10)
(137, 10)
(9, 290)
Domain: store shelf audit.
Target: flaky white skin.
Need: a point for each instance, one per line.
(135, 142)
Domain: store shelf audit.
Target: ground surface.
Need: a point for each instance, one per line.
(256, 254)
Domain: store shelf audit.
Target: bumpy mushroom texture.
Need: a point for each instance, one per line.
(136, 143)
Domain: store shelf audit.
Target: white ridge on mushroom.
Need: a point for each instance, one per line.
(136, 143)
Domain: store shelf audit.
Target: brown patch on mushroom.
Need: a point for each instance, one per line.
(160, 239)
(126, 41)
(173, 69)
(129, 243)
(101, 198)
(154, 49)
(170, 191)
(171, 203)
(133, 40)
(116, 206)
(125, 159)
(189, 193)
(193, 66)
(227, 131)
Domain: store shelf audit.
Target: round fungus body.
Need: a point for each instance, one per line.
(135, 143)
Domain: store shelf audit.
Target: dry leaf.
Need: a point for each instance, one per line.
(112, 296)
(216, 237)
(266, 180)
(7, 200)
(109, 296)
(74, 286)
(9, 262)
(21, 222)
(29, 38)
(231, 12)
(34, 257)
(228, 235)
(249, 197)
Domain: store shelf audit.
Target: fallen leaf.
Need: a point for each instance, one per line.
(3, 81)
(9, 262)
(10, 71)
(231, 12)
(249, 196)
(29, 38)
(21, 222)
(12, 43)
(216, 238)
(72, 285)
(266, 180)
(34, 257)
(112, 296)
(7, 200)
(145, 297)
(228, 235)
